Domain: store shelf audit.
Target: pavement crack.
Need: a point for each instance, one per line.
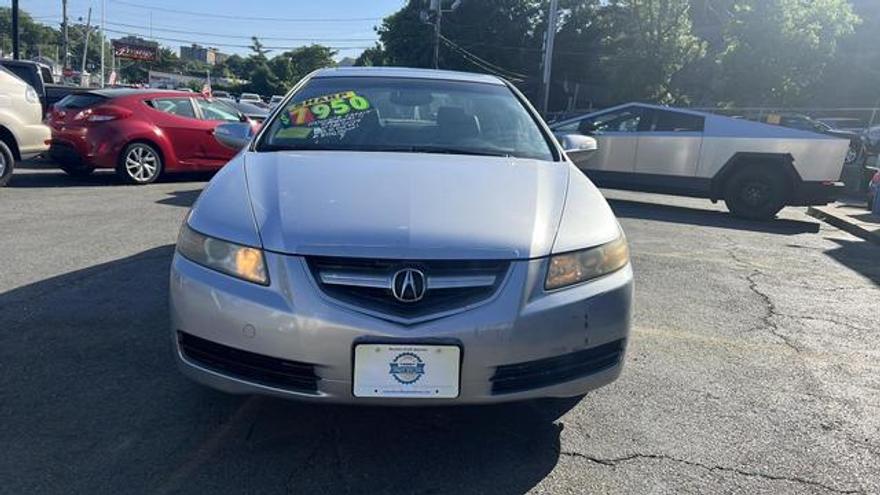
(826, 320)
(614, 461)
(770, 311)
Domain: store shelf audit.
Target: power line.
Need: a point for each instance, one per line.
(234, 36)
(227, 45)
(245, 18)
(482, 62)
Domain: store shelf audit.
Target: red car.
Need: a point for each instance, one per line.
(140, 133)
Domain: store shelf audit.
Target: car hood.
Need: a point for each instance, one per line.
(405, 205)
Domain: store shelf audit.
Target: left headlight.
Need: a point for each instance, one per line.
(579, 266)
(239, 261)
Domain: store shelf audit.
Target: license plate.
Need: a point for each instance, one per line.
(411, 371)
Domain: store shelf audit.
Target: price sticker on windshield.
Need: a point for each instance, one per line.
(325, 107)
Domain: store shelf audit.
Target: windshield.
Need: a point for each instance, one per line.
(408, 115)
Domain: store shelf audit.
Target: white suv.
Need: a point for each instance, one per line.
(22, 134)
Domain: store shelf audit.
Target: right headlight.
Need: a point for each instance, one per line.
(579, 266)
(239, 261)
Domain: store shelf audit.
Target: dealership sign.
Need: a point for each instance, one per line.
(141, 50)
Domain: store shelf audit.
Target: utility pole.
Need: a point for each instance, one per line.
(548, 54)
(86, 44)
(64, 47)
(437, 7)
(103, 41)
(15, 39)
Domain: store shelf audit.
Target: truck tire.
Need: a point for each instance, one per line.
(7, 164)
(756, 193)
(854, 154)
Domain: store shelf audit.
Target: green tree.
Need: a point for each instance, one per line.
(647, 44)
(777, 49)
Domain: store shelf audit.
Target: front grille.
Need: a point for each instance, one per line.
(551, 371)
(248, 366)
(365, 284)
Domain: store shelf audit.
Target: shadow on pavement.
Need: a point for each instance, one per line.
(707, 218)
(184, 199)
(92, 403)
(43, 178)
(859, 256)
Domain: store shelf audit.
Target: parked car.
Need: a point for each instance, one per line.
(250, 97)
(224, 95)
(39, 76)
(140, 133)
(275, 100)
(22, 133)
(755, 168)
(850, 124)
(449, 254)
(856, 153)
(873, 189)
(249, 110)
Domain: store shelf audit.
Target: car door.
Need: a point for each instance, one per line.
(176, 117)
(670, 143)
(617, 134)
(214, 112)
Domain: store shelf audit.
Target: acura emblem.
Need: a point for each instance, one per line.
(408, 285)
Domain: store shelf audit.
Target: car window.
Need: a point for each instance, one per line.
(407, 115)
(624, 120)
(667, 121)
(25, 74)
(181, 107)
(216, 110)
(47, 74)
(80, 100)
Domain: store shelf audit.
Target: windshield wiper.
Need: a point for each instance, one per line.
(451, 150)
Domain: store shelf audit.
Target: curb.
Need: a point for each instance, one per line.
(844, 223)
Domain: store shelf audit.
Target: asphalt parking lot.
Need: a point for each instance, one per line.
(753, 368)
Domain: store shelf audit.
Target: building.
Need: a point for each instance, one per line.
(203, 54)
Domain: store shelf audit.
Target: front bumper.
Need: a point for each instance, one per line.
(293, 323)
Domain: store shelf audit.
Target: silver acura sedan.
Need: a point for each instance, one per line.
(401, 236)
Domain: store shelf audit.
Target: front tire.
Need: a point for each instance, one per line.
(139, 163)
(756, 193)
(7, 164)
(854, 154)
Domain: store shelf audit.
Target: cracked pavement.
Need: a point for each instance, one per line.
(753, 367)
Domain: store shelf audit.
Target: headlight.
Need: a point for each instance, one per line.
(30, 95)
(243, 262)
(579, 266)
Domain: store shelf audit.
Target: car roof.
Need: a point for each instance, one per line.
(120, 92)
(405, 72)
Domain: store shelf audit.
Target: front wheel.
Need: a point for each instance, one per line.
(756, 193)
(854, 154)
(140, 163)
(7, 163)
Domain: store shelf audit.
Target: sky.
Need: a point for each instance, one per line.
(228, 25)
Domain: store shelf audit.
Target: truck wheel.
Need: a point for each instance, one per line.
(756, 193)
(139, 163)
(7, 163)
(854, 154)
(76, 170)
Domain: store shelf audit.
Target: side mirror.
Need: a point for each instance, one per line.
(576, 143)
(235, 135)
